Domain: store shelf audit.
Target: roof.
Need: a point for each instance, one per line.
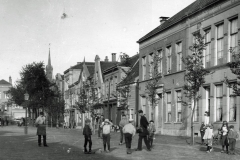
(105, 65)
(191, 9)
(91, 69)
(78, 66)
(133, 74)
(3, 82)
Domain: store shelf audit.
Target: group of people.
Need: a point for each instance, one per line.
(127, 131)
(228, 137)
(3, 121)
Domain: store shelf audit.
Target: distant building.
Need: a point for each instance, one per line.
(49, 68)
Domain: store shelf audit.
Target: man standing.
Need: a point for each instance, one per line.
(122, 123)
(41, 129)
(129, 131)
(100, 121)
(143, 132)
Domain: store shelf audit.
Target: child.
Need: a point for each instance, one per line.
(209, 137)
(106, 126)
(224, 136)
(152, 129)
(232, 136)
(87, 132)
(129, 131)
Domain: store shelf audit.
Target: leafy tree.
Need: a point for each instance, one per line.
(195, 75)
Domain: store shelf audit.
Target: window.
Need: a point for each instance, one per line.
(169, 109)
(179, 106)
(219, 99)
(131, 114)
(143, 101)
(169, 59)
(144, 68)
(208, 100)
(233, 35)
(179, 56)
(111, 86)
(150, 65)
(207, 51)
(220, 41)
(115, 83)
(160, 61)
(232, 105)
(196, 113)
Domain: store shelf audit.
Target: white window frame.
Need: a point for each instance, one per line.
(220, 41)
(179, 55)
(233, 35)
(144, 68)
(178, 105)
(207, 51)
(219, 106)
(232, 105)
(169, 59)
(160, 51)
(150, 61)
(169, 107)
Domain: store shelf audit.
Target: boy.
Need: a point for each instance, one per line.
(209, 137)
(232, 136)
(106, 129)
(152, 129)
(87, 132)
(129, 131)
(122, 123)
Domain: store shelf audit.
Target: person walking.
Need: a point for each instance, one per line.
(143, 132)
(232, 136)
(106, 127)
(224, 137)
(87, 132)
(202, 131)
(100, 121)
(129, 131)
(122, 123)
(41, 129)
(208, 136)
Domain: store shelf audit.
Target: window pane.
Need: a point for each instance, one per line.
(220, 48)
(220, 31)
(234, 28)
(234, 40)
(207, 36)
(219, 90)
(168, 97)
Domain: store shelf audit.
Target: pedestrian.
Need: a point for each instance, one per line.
(143, 132)
(224, 137)
(208, 136)
(41, 129)
(232, 136)
(3, 122)
(202, 131)
(152, 130)
(129, 131)
(7, 122)
(106, 129)
(122, 123)
(100, 121)
(87, 132)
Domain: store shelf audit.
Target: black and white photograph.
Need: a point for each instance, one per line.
(119, 79)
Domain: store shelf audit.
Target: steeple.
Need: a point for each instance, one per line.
(49, 68)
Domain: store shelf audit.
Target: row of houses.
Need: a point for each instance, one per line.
(218, 20)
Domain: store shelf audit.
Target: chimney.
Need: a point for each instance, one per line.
(163, 19)
(10, 79)
(113, 57)
(106, 59)
(122, 58)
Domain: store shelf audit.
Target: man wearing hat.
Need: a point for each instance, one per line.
(143, 134)
(87, 132)
(129, 131)
(106, 129)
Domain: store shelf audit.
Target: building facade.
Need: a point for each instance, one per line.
(218, 21)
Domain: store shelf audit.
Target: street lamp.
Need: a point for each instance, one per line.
(26, 97)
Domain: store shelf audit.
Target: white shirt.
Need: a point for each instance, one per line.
(41, 120)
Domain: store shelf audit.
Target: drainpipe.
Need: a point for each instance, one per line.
(137, 102)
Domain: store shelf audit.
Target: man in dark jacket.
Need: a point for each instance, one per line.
(144, 132)
(87, 132)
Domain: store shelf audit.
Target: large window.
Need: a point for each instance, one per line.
(220, 41)
(169, 59)
(219, 99)
(233, 35)
(179, 106)
(160, 61)
(208, 100)
(196, 112)
(207, 51)
(144, 68)
(232, 105)
(179, 56)
(169, 109)
(150, 60)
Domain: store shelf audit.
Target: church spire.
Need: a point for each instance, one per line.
(49, 57)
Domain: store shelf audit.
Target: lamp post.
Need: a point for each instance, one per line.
(26, 97)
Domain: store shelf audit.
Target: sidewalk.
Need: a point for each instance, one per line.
(15, 145)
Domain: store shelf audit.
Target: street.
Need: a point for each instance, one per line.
(17, 146)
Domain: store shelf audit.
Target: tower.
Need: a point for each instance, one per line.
(49, 68)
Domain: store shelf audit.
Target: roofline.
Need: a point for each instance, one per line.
(186, 16)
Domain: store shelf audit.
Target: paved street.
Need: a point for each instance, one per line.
(17, 146)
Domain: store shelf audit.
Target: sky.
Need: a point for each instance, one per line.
(92, 27)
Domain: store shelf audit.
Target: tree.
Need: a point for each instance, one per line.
(155, 75)
(195, 75)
